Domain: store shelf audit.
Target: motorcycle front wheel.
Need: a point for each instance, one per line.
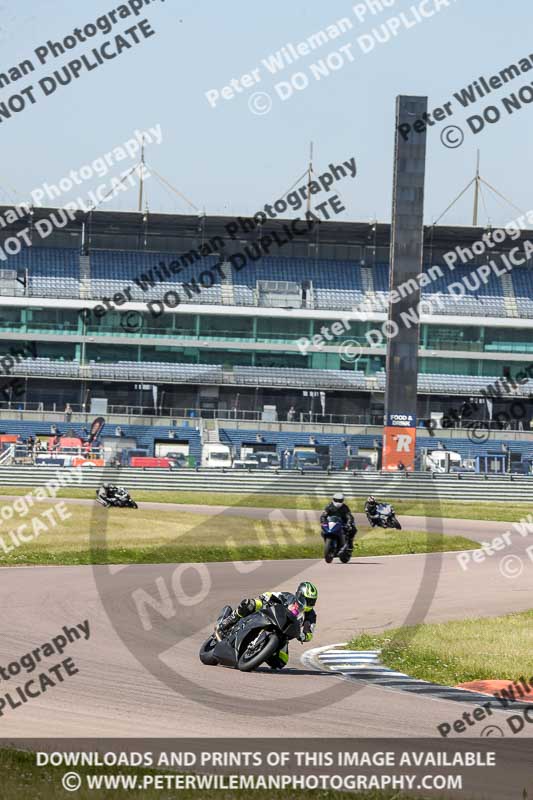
(206, 655)
(329, 550)
(396, 524)
(258, 652)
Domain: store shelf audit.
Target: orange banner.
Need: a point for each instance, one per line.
(399, 447)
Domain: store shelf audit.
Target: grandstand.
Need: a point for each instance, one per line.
(332, 284)
(336, 448)
(231, 349)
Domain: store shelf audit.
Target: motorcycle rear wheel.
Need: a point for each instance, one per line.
(206, 655)
(247, 664)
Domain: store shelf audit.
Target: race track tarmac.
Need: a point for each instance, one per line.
(114, 694)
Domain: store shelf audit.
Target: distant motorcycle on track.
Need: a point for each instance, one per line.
(386, 517)
(122, 499)
(334, 540)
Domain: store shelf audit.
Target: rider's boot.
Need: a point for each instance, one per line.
(350, 536)
(349, 539)
(226, 624)
(279, 659)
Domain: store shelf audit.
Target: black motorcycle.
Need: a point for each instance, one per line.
(253, 640)
(386, 517)
(122, 499)
(334, 540)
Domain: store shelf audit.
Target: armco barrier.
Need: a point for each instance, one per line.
(423, 486)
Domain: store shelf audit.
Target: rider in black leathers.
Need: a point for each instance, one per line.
(338, 508)
(371, 510)
(306, 594)
(106, 493)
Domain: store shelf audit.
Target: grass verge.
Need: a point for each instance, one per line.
(22, 780)
(495, 511)
(459, 651)
(126, 536)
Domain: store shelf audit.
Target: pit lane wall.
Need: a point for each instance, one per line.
(423, 486)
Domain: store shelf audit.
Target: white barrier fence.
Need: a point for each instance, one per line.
(423, 486)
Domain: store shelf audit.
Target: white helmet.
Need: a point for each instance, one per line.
(338, 499)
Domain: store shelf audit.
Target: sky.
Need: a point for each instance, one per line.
(230, 159)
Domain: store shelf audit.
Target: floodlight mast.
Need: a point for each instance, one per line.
(141, 179)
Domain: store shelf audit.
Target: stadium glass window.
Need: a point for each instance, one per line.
(183, 325)
(61, 351)
(162, 326)
(10, 318)
(109, 323)
(375, 364)
(281, 328)
(439, 337)
(328, 361)
(355, 329)
(226, 358)
(52, 319)
(507, 340)
(110, 353)
(224, 327)
(169, 355)
(449, 366)
(278, 360)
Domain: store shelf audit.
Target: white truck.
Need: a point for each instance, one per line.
(216, 455)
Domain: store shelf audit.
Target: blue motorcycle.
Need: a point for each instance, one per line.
(335, 540)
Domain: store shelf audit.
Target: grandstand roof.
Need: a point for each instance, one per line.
(162, 231)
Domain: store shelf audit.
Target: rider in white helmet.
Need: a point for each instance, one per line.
(338, 508)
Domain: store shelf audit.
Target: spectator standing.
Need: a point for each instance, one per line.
(68, 412)
(291, 414)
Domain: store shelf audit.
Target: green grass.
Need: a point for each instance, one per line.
(496, 511)
(124, 536)
(497, 648)
(22, 780)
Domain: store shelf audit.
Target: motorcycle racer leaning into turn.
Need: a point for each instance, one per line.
(371, 510)
(107, 493)
(306, 596)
